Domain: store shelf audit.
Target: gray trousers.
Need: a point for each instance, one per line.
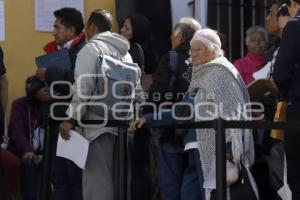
(97, 178)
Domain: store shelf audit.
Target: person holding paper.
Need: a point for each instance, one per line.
(98, 174)
(257, 43)
(68, 26)
(286, 76)
(272, 147)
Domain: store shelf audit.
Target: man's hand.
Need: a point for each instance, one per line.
(274, 88)
(41, 74)
(43, 95)
(64, 129)
(138, 123)
(28, 156)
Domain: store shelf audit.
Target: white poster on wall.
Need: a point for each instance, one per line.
(44, 9)
(189, 8)
(2, 22)
(181, 8)
(201, 7)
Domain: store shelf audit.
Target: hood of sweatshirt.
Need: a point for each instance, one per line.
(114, 42)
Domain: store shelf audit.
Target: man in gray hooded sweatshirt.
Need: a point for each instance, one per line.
(98, 174)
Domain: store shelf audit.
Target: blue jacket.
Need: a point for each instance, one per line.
(166, 119)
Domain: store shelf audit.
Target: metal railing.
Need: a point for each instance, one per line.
(2, 189)
(220, 125)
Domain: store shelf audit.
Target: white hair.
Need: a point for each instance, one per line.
(187, 27)
(256, 29)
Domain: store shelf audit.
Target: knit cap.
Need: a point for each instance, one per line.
(207, 36)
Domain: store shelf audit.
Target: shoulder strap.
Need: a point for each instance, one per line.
(141, 51)
(173, 64)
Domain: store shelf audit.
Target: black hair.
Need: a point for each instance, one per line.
(283, 11)
(70, 17)
(142, 34)
(141, 28)
(32, 85)
(102, 19)
(276, 2)
(288, 2)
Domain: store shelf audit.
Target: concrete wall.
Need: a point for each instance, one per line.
(22, 43)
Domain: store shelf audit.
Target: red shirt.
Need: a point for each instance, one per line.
(248, 65)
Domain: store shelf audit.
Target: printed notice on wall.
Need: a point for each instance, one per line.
(44, 9)
(2, 22)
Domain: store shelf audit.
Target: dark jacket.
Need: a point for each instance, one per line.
(22, 123)
(163, 75)
(136, 54)
(55, 74)
(181, 84)
(286, 72)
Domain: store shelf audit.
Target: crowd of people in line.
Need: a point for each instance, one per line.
(163, 163)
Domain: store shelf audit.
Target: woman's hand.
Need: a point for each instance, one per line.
(28, 156)
(138, 123)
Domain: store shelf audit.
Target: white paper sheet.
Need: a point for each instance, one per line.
(44, 9)
(263, 72)
(2, 21)
(75, 149)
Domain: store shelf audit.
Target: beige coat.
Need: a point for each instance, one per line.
(103, 43)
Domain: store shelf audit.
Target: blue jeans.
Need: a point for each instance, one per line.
(170, 169)
(193, 178)
(192, 185)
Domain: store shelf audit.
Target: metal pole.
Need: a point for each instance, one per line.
(220, 159)
(122, 164)
(242, 27)
(47, 160)
(1, 177)
(230, 28)
(265, 10)
(218, 16)
(253, 12)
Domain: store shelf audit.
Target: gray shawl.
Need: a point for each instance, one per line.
(219, 83)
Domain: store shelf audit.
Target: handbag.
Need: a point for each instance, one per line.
(279, 117)
(242, 188)
(232, 173)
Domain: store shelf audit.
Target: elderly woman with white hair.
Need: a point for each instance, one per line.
(216, 90)
(257, 43)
